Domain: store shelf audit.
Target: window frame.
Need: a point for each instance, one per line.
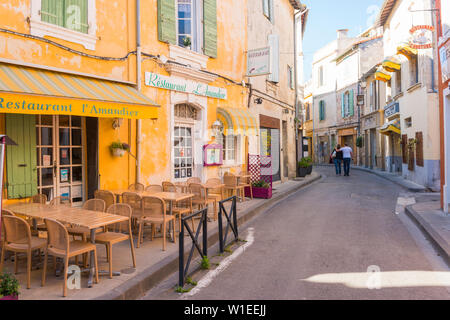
(347, 104)
(41, 28)
(197, 35)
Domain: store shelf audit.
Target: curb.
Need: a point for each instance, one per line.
(408, 185)
(437, 241)
(137, 286)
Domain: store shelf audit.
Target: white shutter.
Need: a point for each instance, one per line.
(275, 57)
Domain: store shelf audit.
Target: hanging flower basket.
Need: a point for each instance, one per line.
(118, 149)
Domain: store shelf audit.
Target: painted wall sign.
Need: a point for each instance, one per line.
(187, 86)
(258, 62)
(30, 104)
(445, 61)
(421, 37)
(391, 109)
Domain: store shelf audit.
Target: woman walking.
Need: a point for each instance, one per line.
(338, 157)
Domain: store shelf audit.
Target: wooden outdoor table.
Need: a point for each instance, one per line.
(91, 220)
(208, 186)
(170, 197)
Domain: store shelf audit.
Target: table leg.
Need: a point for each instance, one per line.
(92, 262)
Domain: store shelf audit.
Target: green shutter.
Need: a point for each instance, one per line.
(52, 11)
(351, 103)
(167, 31)
(76, 15)
(21, 159)
(343, 105)
(322, 110)
(210, 27)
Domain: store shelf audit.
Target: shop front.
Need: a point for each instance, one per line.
(270, 143)
(392, 130)
(348, 136)
(54, 118)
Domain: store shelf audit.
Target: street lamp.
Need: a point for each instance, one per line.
(217, 128)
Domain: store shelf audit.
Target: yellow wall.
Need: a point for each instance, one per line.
(115, 38)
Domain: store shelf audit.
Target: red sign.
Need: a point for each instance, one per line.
(422, 37)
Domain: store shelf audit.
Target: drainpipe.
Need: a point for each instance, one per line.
(139, 87)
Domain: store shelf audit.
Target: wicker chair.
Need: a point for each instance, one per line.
(193, 180)
(59, 246)
(154, 213)
(231, 184)
(39, 198)
(135, 202)
(245, 182)
(106, 196)
(169, 187)
(61, 201)
(201, 198)
(116, 235)
(154, 188)
(137, 187)
(18, 239)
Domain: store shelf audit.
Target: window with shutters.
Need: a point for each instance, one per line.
(274, 44)
(398, 82)
(71, 20)
(229, 143)
(188, 23)
(346, 104)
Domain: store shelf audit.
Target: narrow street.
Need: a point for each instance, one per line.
(320, 243)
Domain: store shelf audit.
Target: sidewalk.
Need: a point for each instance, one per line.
(399, 180)
(153, 264)
(426, 212)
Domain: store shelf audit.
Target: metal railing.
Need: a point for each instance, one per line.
(202, 225)
(231, 218)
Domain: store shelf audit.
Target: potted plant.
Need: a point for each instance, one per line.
(310, 167)
(261, 190)
(118, 148)
(187, 42)
(9, 287)
(302, 168)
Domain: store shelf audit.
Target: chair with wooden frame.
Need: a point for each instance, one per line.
(139, 187)
(193, 180)
(39, 198)
(217, 193)
(59, 246)
(154, 213)
(201, 198)
(18, 239)
(115, 236)
(135, 202)
(231, 184)
(61, 201)
(154, 188)
(6, 212)
(169, 187)
(246, 182)
(106, 196)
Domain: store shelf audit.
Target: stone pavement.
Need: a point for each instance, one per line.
(153, 264)
(395, 178)
(426, 212)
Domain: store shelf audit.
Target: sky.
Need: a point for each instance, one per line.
(325, 17)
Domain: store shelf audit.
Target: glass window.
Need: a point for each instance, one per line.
(185, 22)
(183, 164)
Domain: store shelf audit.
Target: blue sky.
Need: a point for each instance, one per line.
(325, 17)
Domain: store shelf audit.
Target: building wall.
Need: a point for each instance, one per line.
(419, 101)
(116, 37)
(278, 98)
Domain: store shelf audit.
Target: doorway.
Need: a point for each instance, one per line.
(270, 146)
(60, 150)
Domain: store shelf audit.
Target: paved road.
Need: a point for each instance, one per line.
(320, 243)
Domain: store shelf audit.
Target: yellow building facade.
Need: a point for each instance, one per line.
(76, 81)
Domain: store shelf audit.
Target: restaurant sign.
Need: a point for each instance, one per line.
(258, 62)
(421, 37)
(391, 109)
(186, 86)
(35, 104)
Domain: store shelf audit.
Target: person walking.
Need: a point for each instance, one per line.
(347, 154)
(337, 156)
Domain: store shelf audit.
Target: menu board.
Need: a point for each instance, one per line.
(213, 154)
